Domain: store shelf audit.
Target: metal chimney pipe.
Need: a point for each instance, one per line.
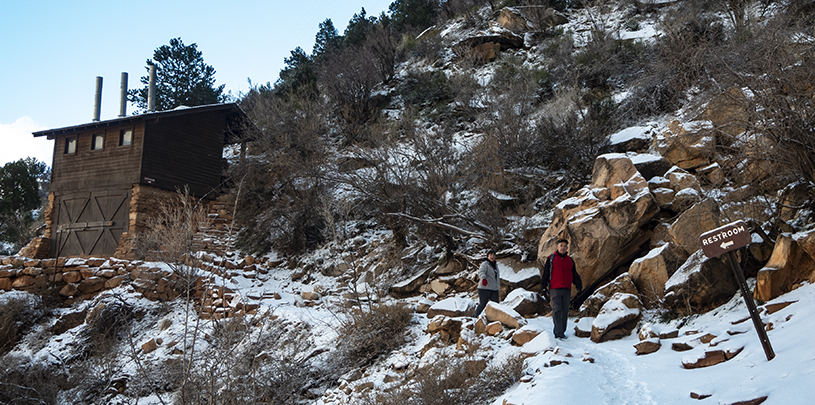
(151, 90)
(123, 96)
(97, 104)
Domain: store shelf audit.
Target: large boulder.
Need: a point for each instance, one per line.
(651, 272)
(788, 266)
(516, 274)
(603, 218)
(504, 314)
(592, 306)
(452, 307)
(526, 303)
(700, 284)
(618, 317)
(632, 139)
(688, 145)
(728, 112)
(512, 19)
(692, 223)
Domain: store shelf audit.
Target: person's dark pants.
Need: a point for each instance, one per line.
(560, 298)
(485, 296)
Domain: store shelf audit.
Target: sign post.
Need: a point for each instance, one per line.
(726, 239)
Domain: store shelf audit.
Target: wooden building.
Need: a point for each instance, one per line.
(106, 174)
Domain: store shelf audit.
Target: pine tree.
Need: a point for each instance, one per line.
(326, 40)
(182, 79)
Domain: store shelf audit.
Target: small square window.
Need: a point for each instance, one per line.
(70, 145)
(125, 137)
(98, 142)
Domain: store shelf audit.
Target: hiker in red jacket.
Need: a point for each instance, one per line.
(559, 273)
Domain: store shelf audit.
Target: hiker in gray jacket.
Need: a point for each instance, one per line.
(488, 282)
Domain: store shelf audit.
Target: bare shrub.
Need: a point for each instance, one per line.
(238, 366)
(284, 176)
(106, 323)
(368, 333)
(455, 381)
(25, 381)
(348, 77)
(169, 237)
(18, 311)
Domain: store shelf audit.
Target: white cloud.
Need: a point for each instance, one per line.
(16, 142)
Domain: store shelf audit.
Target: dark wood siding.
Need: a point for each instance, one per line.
(112, 166)
(184, 150)
(89, 223)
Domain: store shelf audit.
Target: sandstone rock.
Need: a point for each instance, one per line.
(480, 325)
(453, 307)
(713, 173)
(729, 112)
(699, 284)
(632, 139)
(697, 220)
(494, 328)
(5, 284)
(652, 331)
(618, 317)
(526, 303)
(684, 199)
(439, 287)
(449, 329)
(450, 265)
(680, 179)
(525, 334)
(68, 321)
(91, 285)
(518, 275)
(688, 145)
(650, 273)
(69, 290)
(592, 306)
(710, 358)
(777, 306)
(599, 228)
(583, 327)
(408, 287)
(114, 282)
(647, 346)
(149, 346)
(423, 305)
(513, 20)
(659, 182)
(663, 197)
(504, 314)
(788, 265)
(23, 282)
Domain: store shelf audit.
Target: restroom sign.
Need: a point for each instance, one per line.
(725, 238)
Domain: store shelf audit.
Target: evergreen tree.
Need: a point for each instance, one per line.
(298, 75)
(19, 196)
(358, 28)
(182, 78)
(326, 40)
(417, 14)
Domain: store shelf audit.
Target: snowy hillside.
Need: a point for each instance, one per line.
(348, 272)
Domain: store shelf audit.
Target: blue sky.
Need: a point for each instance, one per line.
(51, 52)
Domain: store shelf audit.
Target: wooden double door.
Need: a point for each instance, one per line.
(90, 223)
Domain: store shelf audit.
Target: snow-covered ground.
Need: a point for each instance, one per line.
(619, 376)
